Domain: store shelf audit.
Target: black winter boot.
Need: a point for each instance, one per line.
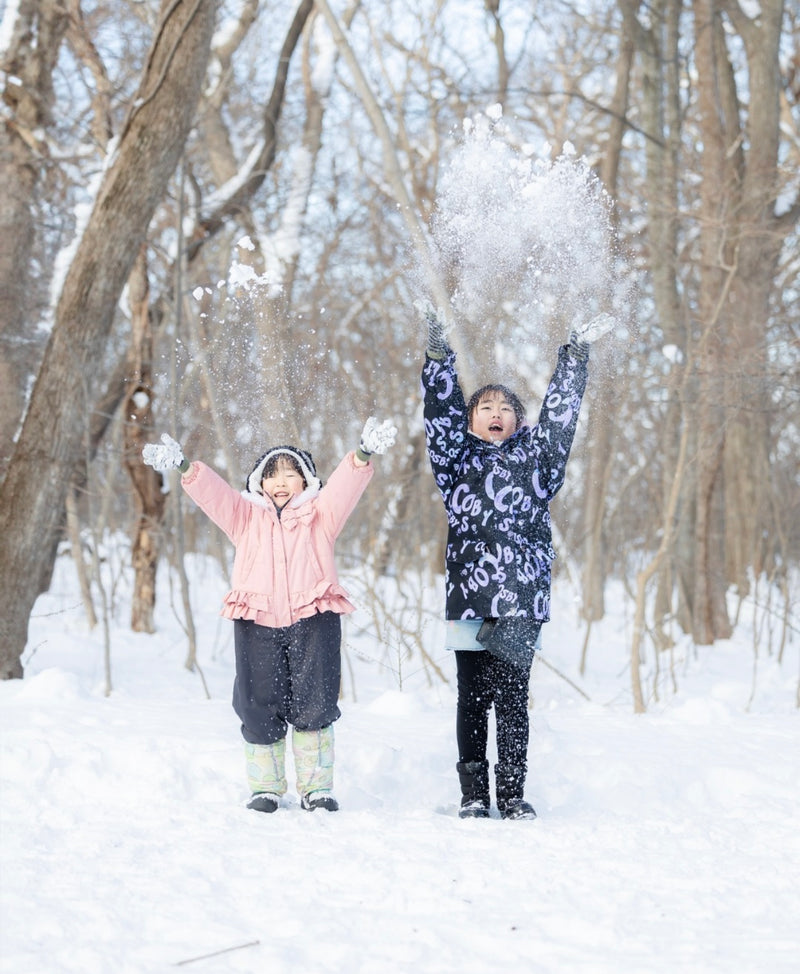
(474, 779)
(319, 799)
(264, 801)
(510, 786)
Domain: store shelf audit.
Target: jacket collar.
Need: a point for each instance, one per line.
(507, 444)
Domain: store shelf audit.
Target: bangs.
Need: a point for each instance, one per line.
(493, 391)
(274, 464)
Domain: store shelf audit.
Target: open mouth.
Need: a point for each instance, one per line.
(495, 428)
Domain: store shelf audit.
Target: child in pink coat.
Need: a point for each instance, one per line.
(286, 603)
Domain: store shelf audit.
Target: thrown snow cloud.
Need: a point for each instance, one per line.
(513, 227)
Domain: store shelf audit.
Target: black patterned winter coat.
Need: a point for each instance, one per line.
(497, 496)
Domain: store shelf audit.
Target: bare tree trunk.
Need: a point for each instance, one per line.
(600, 461)
(74, 535)
(709, 614)
(598, 477)
(662, 120)
(176, 501)
(32, 495)
(499, 39)
(753, 538)
(741, 241)
(138, 430)
(644, 576)
(27, 66)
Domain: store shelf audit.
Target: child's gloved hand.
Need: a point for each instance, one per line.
(167, 455)
(375, 438)
(437, 343)
(583, 335)
(590, 331)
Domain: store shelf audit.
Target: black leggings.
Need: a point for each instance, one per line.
(483, 681)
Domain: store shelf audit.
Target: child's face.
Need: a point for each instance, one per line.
(283, 485)
(493, 419)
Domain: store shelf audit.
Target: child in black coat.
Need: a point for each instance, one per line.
(497, 477)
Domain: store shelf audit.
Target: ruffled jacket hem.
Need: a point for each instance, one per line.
(259, 609)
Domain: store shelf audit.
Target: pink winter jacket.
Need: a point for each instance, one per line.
(283, 569)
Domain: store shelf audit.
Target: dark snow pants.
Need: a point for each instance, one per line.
(286, 676)
(484, 681)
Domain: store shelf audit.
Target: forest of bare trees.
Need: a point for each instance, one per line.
(156, 157)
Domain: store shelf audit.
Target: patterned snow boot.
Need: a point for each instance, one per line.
(510, 785)
(474, 779)
(313, 762)
(319, 799)
(266, 774)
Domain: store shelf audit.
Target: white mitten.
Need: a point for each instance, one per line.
(376, 437)
(590, 331)
(168, 456)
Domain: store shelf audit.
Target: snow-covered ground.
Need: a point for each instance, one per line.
(665, 842)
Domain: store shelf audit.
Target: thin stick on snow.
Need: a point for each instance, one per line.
(216, 953)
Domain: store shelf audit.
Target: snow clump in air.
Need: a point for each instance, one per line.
(515, 229)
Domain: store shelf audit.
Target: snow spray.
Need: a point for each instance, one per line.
(522, 235)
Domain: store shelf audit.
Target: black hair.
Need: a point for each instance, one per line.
(511, 397)
(277, 460)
